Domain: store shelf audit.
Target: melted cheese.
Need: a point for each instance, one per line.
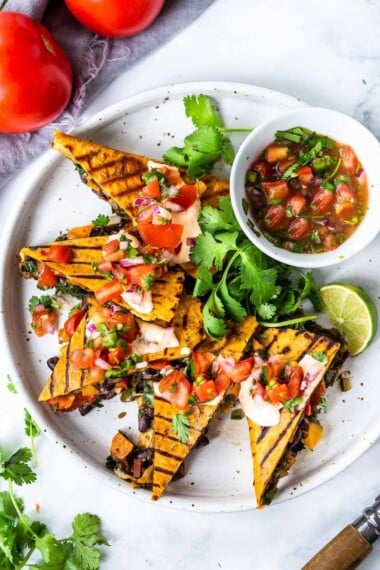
(191, 229)
(152, 338)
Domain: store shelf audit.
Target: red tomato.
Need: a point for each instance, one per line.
(143, 275)
(35, 75)
(298, 229)
(276, 190)
(242, 370)
(111, 246)
(322, 201)
(72, 322)
(46, 276)
(262, 168)
(297, 204)
(275, 366)
(278, 394)
(202, 362)
(115, 18)
(115, 355)
(349, 159)
(82, 358)
(206, 391)
(43, 321)
(152, 189)
(222, 382)
(294, 382)
(275, 217)
(109, 292)
(187, 195)
(305, 175)
(345, 194)
(165, 235)
(59, 254)
(176, 388)
(128, 321)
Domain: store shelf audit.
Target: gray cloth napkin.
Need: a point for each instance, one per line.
(96, 62)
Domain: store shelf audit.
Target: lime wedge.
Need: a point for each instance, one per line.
(352, 313)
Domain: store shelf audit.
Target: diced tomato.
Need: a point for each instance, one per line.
(171, 173)
(97, 374)
(46, 276)
(80, 232)
(345, 194)
(152, 189)
(349, 159)
(143, 275)
(206, 391)
(298, 229)
(222, 382)
(43, 321)
(109, 292)
(285, 164)
(71, 324)
(329, 243)
(202, 362)
(308, 409)
(104, 266)
(294, 382)
(277, 190)
(242, 370)
(114, 256)
(322, 201)
(275, 153)
(176, 388)
(187, 195)
(111, 246)
(297, 204)
(275, 366)
(278, 394)
(164, 236)
(158, 364)
(262, 168)
(121, 318)
(115, 355)
(65, 403)
(305, 175)
(60, 254)
(275, 217)
(82, 358)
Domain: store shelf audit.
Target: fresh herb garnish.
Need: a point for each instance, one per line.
(11, 387)
(101, 221)
(291, 404)
(152, 174)
(181, 427)
(65, 288)
(32, 431)
(323, 404)
(238, 278)
(320, 356)
(48, 302)
(207, 143)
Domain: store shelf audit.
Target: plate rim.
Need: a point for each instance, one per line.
(44, 165)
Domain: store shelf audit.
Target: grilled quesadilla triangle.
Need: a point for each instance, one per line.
(269, 445)
(149, 345)
(117, 176)
(169, 451)
(82, 271)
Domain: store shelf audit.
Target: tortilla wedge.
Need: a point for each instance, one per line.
(169, 451)
(269, 444)
(81, 271)
(117, 175)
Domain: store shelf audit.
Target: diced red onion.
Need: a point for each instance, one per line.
(166, 255)
(139, 260)
(160, 215)
(143, 201)
(132, 288)
(145, 215)
(190, 241)
(91, 328)
(101, 363)
(39, 308)
(360, 172)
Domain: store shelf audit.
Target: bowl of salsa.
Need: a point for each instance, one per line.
(305, 187)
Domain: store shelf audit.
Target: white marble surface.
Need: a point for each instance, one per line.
(327, 53)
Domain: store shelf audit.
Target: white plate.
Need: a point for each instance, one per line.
(219, 476)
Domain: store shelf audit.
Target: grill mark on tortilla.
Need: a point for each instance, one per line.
(167, 436)
(262, 433)
(170, 456)
(170, 421)
(281, 435)
(162, 470)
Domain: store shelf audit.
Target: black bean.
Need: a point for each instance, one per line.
(202, 441)
(145, 422)
(52, 362)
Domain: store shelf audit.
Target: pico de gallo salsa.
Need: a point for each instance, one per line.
(306, 192)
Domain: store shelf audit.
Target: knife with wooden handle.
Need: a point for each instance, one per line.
(348, 548)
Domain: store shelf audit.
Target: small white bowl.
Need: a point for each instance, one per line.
(339, 127)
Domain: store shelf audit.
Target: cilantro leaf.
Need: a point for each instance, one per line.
(219, 219)
(11, 387)
(32, 431)
(320, 356)
(16, 467)
(181, 427)
(176, 155)
(200, 109)
(48, 302)
(101, 221)
(204, 282)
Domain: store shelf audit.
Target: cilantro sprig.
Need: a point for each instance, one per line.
(239, 279)
(32, 430)
(207, 143)
(181, 427)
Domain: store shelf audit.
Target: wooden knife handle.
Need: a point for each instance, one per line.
(344, 552)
